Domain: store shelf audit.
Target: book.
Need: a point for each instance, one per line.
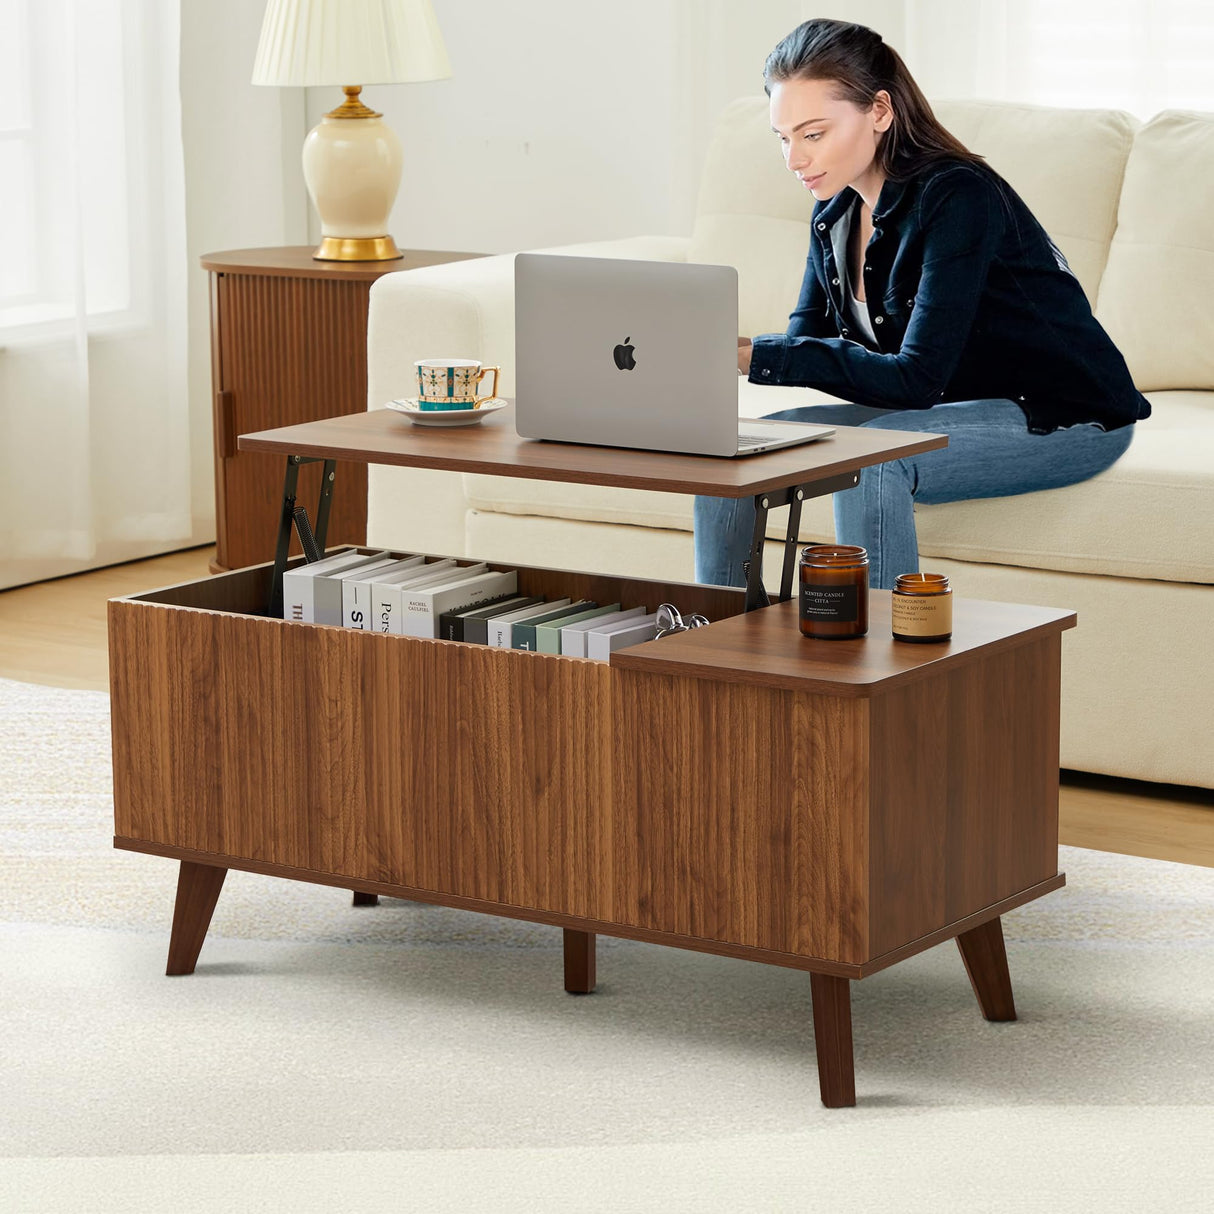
(548, 636)
(522, 633)
(500, 625)
(299, 584)
(327, 587)
(388, 591)
(600, 645)
(476, 625)
(423, 608)
(573, 636)
(451, 623)
(356, 592)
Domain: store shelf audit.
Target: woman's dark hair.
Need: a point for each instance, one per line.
(860, 64)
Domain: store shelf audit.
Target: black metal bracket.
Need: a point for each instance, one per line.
(791, 496)
(313, 543)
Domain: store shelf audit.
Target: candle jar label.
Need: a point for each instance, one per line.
(833, 604)
(922, 616)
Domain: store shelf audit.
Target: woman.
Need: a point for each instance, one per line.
(932, 299)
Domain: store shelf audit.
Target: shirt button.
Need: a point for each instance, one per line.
(766, 371)
(844, 332)
(910, 303)
(821, 227)
(1020, 398)
(834, 282)
(878, 319)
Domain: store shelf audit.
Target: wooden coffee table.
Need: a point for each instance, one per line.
(830, 806)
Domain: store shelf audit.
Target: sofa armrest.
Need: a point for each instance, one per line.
(462, 309)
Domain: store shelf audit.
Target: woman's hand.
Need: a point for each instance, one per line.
(745, 349)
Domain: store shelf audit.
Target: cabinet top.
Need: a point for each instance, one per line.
(765, 648)
(381, 436)
(296, 261)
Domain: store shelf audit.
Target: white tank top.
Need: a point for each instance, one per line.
(854, 309)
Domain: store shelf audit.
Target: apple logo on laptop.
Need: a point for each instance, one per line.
(623, 356)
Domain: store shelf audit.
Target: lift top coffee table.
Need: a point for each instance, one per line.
(830, 806)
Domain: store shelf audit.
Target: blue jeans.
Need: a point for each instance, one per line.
(990, 453)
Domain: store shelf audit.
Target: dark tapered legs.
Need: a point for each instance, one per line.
(198, 887)
(986, 963)
(832, 1037)
(361, 899)
(579, 962)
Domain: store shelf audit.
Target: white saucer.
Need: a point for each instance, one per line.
(409, 406)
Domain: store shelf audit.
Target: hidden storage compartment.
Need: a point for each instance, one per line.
(436, 765)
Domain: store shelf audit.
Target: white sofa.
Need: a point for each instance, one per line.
(1132, 551)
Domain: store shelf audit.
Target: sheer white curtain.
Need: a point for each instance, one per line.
(94, 439)
(1137, 55)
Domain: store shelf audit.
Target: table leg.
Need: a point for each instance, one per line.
(198, 887)
(361, 899)
(985, 961)
(579, 962)
(832, 1037)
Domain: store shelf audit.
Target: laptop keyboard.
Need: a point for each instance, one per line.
(746, 441)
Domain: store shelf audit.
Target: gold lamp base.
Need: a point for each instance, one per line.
(356, 248)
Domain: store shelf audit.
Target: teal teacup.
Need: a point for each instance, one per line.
(452, 383)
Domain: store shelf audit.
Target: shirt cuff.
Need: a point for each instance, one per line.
(769, 352)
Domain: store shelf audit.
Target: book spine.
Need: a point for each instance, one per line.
(297, 601)
(383, 610)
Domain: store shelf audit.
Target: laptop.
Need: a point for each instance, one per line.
(635, 354)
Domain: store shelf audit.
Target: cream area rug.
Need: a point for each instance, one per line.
(406, 1057)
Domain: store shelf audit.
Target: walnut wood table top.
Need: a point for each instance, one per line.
(382, 436)
(297, 261)
(766, 649)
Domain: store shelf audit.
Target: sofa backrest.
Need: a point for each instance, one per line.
(1155, 292)
(754, 214)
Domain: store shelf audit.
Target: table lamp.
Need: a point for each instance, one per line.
(352, 159)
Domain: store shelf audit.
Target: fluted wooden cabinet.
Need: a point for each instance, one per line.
(288, 344)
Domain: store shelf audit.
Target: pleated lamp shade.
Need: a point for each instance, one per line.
(352, 159)
(316, 42)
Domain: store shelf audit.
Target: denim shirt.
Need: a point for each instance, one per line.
(969, 300)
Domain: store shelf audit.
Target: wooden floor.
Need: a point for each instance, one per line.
(55, 633)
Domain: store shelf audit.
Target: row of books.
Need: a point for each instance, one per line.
(407, 595)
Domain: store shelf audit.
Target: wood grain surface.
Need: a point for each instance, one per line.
(297, 261)
(741, 814)
(765, 648)
(963, 797)
(381, 436)
(839, 829)
(288, 345)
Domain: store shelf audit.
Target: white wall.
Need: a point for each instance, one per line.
(244, 186)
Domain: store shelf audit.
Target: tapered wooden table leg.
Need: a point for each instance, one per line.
(579, 962)
(361, 899)
(986, 963)
(198, 887)
(832, 1037)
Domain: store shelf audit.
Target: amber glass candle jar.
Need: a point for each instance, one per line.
(921, 608)
(834, 591)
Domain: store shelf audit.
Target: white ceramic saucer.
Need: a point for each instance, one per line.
(410, 407)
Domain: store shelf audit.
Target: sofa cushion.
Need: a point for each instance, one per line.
(1149, 516)
(754, 214)
(1154, 298)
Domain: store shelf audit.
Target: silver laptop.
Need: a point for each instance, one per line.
(634, 354)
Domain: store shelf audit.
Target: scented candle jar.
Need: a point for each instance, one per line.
(834, 591)
(921, 607)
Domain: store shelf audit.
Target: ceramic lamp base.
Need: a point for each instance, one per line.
(352, 164)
